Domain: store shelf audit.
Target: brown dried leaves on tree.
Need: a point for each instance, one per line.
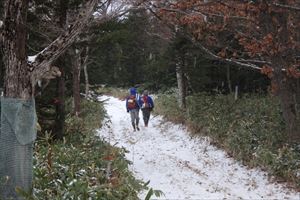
(262, 35)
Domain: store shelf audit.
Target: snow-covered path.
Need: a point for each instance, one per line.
(184, 167)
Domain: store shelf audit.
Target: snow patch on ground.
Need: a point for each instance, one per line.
(181, 166)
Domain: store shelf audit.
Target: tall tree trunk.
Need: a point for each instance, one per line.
(16, 82)
(117, 65)
(287, 93)
(86, 75)
(286, 85)
(60, 85)
(298, 97)
(16, 152)
(76, 81)
(181, 84)
(228, 79)
(86, 78)
(188, 83)
(59, 130)
(16, 141)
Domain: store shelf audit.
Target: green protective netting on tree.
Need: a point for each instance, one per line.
(18, 132)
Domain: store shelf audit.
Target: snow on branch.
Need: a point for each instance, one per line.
(31, 59)
(236, 62)
(289, 7)
(42, 62)
(92, 11)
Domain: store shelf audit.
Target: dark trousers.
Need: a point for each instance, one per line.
(146, 115)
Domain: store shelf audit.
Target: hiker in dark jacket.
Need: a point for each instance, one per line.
(147, 105)
(132, 107)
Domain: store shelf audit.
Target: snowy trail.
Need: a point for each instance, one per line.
(184, 167)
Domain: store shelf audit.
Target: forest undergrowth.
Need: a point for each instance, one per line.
(82, 166)
(250, 129)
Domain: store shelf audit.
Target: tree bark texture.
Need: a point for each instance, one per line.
(44, 59)
(16, 153)
(287, 93)
(76, 65)
(17, 74)
(286, 86)
(59, 129)
(228, 79)
(85, 70)
(181, 84)
(20, 79)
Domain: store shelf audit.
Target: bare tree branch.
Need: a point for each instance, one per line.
(43, 60)
(252, 61)
(232, 61)
(211, 55)
(289, 7)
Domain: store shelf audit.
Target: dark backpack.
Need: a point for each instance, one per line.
(132, 103)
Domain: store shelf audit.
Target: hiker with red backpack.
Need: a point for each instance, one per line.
(147, 105)
(133, 107)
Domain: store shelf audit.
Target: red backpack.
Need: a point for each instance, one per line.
(131, 103)
(145, 102)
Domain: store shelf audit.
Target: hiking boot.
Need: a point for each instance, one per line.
(137, 128)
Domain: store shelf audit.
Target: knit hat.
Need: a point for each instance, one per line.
(132, 91)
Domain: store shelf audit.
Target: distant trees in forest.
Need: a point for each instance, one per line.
(259, 35)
